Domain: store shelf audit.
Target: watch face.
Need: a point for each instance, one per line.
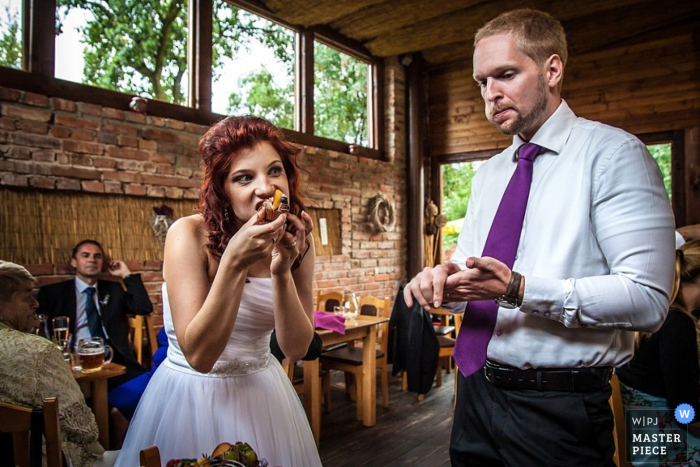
(505, 304)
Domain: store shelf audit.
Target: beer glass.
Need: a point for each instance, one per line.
(93, 354)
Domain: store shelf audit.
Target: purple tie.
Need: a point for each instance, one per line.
(502, 244)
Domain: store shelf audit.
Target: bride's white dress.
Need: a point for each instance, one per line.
(246, 397)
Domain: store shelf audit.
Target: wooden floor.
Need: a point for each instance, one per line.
(408, 433)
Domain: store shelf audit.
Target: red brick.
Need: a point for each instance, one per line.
(134, 117)
(40, 269)
(159, 135)
(128, 165)
(128, 177)
(8, 123)
(7, 94)
(113, 187)
(173, 193)
(93, 186)
(138, 190)
(40, 181)
(82, 134)
(153, 265)
(30, 126)
(119, 129)
(149, 167)
(191, 193)
(83, 147)
(127, 141)
(148, 145)
(156, 121)
(172, 148)
(152, 276)
(43, 155)
(114, 114)
(37, 100)
(76, 122)
(26, 113)
(67, 184)
(165, 169)
(51, 280)
(127, 153)
(81, 159)
(106, 138)
(65, 268)
(175, 124)
(74, 172)
(157, 191)
(62, 132)
(89, 109)
(65, 105)
(17, 152)
(159, 158)
(103, 162)
(169, 181)
(14, 179)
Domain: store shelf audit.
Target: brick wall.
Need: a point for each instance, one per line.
(47, 143)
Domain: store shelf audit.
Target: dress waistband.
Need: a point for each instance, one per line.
(225, 369)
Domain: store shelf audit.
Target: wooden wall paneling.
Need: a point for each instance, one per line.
(692, 175)
(334, 245)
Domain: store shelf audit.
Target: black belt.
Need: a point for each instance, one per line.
(548, 379)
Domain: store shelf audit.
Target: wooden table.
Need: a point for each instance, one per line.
(94, 386)
(365, 328)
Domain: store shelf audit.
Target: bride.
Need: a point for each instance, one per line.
(231, 276)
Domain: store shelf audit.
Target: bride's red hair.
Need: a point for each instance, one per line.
(218, 148)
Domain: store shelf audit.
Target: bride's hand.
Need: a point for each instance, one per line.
(290, 246)
(254, 240)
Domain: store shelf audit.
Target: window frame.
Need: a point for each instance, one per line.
(677, 140)
(38, 59)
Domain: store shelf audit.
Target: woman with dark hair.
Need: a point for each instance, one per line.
(231, 276)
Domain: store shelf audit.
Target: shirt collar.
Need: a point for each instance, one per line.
(554, 133)
(81, 285)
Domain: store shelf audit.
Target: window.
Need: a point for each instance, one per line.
(113, 45)
(196, 60)
(662, 155)
(340, 96)
(254, 66)
(456, 191)
(11, 33)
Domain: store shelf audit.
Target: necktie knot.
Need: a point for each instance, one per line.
(529, 151)
(90, 291)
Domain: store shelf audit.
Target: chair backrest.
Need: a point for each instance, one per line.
(150, 457)
(443, 312)
(326, 301)
(18, 421)
(619, 416)
(136, 325)
(373, 306)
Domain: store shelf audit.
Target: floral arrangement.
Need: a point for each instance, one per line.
(225, 454)
(105, 300)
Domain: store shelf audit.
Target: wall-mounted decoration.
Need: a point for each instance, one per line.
(160, 221)
(381, 214)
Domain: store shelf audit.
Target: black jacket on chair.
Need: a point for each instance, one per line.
(413, 345)
(59, 300)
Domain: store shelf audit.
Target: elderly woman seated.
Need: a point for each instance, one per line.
(32, 368)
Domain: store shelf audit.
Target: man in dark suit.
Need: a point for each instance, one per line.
(98, 308)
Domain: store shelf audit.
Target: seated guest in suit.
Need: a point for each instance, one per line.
(98, 308)
(32, 368)
(664, 373)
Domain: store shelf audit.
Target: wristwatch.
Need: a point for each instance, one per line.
(509, 300)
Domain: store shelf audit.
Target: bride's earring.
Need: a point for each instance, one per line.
(226, 218)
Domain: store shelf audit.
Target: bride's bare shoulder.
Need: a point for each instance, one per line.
(189, 228)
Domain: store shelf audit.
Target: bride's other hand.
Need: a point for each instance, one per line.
(255, 240)
(291, 245)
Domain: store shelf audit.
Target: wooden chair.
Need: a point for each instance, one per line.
(349, 359)
(326, 301)
(619, 415)
(18, 421)
(136, 325)
(150, 457)
(296, 376)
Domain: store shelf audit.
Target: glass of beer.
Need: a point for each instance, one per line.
(93, 354)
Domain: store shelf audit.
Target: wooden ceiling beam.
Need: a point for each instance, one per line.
(315, 12)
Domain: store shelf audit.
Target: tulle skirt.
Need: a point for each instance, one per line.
(187, 414)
